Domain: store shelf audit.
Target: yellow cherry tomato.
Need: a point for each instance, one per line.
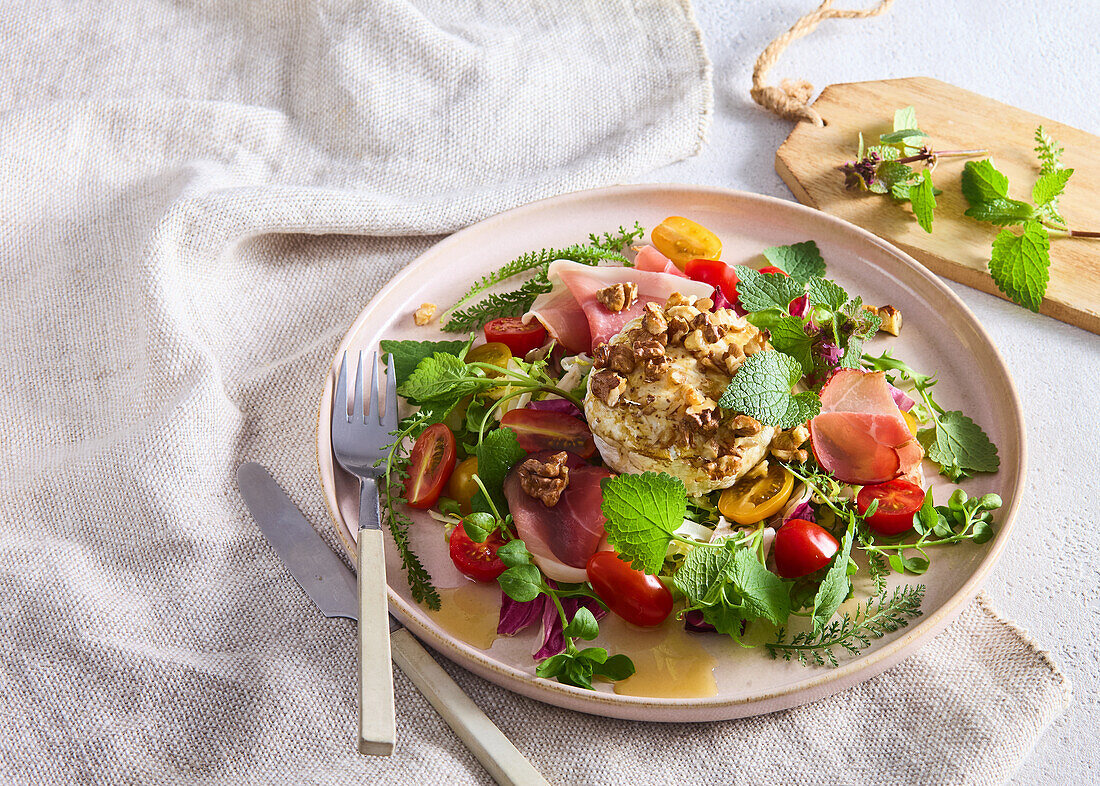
(911, 421)
(754, 499)
(682, 240)
(494, 353)
(461, 487)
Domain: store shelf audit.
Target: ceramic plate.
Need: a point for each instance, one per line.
(695, 677)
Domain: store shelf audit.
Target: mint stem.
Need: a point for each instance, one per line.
(926, 156)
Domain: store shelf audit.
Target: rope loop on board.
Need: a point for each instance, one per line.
(790, 100)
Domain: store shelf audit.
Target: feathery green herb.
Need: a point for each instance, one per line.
(852, 632)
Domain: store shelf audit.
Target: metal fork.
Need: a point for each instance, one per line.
(359, 442)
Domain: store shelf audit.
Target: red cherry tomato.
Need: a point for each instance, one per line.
(479, 561)
(772, 270)
(515, 335)
(635, 596)
(430, 466)
(716, 273)
(553, 431)
(897, 499)
(801, 547)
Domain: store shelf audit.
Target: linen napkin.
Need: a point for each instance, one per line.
(197, 199)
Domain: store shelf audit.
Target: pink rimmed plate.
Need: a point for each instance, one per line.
(940, 335)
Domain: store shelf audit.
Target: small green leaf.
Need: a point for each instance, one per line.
(761, 389)
(496, 455)
(834, 587)
(896, 563)
(521, 583)
(915, 565)
(800, 261)
(900, 136)
(826, 293)
(1020, 264)
(615, 668)
(981, 182)
(479, 526)
(1002, 212)
(924, 201)
(1049, 186)
(905, 117)
(408, 354)
(982, 532)
(552, 666)
(583, 626)
(789, 336)
(514, 553)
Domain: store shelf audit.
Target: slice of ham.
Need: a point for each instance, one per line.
(561, 538)
(576, 320)
(649, 258)
(860, 435)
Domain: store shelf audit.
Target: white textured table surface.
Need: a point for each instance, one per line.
(1044, 61)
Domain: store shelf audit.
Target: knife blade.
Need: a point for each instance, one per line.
(332, 586)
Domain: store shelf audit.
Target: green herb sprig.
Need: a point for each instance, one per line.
(853, 632)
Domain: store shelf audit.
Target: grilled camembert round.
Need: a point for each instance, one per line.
(652, 399)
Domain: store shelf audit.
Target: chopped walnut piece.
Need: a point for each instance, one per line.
(653, 319)
(705, 326)
(786, 444)
(601, 355)
(890, 316)
(620, 359)
(678, 327)
(607, 386)
(648, 349)
(745, 426)
(423, 315)
(618, 297)
(676, 299)
(545, 480)
(705, 421)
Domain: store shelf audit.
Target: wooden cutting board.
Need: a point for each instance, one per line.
(955, 119)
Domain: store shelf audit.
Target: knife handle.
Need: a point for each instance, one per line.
(497, 754)
(376, 717)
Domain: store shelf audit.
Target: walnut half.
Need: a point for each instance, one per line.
(545, 480)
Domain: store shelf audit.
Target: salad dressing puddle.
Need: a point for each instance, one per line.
(469, 612)
(669, 662)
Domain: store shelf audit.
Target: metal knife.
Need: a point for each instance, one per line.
(332, 586)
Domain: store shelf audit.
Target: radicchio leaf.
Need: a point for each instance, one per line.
(561, 405)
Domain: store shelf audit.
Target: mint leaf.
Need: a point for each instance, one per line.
(853, 355)
(436, 379)
(799, 260)
(1048, 151)
(762, 291)
(959, 446)
(701, 576)
(898, 178)
(764, 594)
(496, 455)
(905, 118)
(924, 201)
(789, 336)
(408, 354)
(1020, 264)
(642, 513)
(1002, 212)
(900, 136)
(834, 587)
(761, 389)
(1049, 186)
(981, 182)
(824, 292)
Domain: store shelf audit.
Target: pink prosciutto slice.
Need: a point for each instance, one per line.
(649, 258)
(573, 316)
(563, 537)
(860, 435)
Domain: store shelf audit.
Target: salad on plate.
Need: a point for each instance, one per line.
(646, 431)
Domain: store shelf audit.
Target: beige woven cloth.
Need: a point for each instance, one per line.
(197, 199)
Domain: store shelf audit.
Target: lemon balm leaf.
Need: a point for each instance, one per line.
(761, 389)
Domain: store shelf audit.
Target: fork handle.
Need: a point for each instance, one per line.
(376, 716)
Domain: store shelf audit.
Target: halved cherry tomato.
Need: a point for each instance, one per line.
(772, 270)
(635, 596)
(554, 431)
(495, 353)
(461, 487)
(716, 273)
(801, 547)
(519, 337)
(430, 465)
(479, 561)
(897, 499)
(750, 500)
(682, 240)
